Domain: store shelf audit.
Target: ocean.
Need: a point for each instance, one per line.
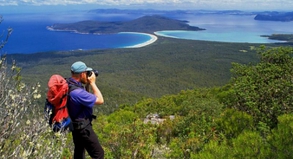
(30, 34)
(230, 28)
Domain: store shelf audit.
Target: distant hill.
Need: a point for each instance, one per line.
(275, 16)
(282, 37)
(147, 24)
(169, 13)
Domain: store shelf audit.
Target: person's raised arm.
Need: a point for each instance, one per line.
(95, 89)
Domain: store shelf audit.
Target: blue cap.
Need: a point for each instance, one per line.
(79, 67)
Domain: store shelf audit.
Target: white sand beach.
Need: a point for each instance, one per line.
(152, 40)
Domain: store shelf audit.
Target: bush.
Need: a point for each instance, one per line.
(23, 131)
(281, 137)
(123, 135)
(250, 144)
(233, 122)
(264, 90)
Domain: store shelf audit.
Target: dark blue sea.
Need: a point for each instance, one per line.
(30, 34)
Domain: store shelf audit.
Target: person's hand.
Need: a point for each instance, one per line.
(92, 78)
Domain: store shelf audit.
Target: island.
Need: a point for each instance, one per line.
(146, 24)
(281, 37)
(275, 16)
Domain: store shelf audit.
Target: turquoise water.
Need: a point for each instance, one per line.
(230, 28)
(231, 36)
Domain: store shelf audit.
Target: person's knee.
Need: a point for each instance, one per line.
(97, 153)
(101, 153)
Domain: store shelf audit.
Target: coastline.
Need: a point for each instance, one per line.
(152, 40)
(50, 28)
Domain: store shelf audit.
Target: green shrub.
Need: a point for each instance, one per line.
(233, 122)
(250, 144)
(281, 137)
(263, 90)
(213, 150)
(123, 135)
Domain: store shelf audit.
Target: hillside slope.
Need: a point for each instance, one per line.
(164, 67)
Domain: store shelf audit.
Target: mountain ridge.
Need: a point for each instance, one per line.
(148, 24)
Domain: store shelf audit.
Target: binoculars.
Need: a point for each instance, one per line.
(89, 73)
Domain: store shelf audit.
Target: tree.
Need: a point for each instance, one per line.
(263, 90)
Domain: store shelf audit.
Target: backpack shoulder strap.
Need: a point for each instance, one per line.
(73, 86)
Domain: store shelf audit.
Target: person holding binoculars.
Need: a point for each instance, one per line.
(80, 109)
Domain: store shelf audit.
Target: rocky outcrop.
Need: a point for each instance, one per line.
(156, 119)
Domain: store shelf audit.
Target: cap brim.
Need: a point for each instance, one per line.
(88, 69)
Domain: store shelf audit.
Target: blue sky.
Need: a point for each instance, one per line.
(51, 5)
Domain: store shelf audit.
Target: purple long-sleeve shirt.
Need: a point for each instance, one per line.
(80, 104)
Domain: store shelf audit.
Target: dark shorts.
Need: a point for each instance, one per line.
(86, 139)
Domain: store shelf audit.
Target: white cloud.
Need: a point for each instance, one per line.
(196, 4)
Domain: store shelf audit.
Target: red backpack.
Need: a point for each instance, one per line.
(55, 107)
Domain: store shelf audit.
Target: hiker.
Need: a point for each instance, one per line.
(80, 109)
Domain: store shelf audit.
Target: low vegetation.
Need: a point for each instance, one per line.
(250, 117)
(23, 132)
